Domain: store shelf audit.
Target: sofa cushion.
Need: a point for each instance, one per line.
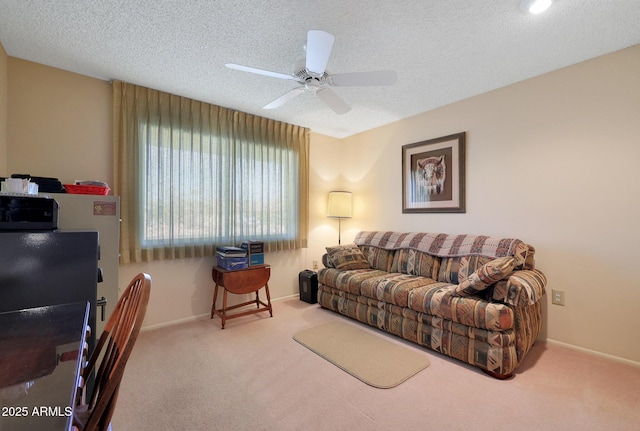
(347, 281)
(438, 300)
(394, 288)
(345, 257)
(486, 275)
(377, 257)
(410, 261)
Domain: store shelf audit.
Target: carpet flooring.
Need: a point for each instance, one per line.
(253, 376)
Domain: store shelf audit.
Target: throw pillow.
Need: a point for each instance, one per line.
(521, 288)
(346, 257)
(486, 275)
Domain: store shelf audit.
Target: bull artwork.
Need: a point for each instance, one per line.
(432, 174)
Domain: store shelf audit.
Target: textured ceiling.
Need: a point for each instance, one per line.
(442, 50)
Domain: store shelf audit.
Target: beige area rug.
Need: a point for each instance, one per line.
(368, 357)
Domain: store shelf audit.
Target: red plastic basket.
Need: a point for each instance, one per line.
(76, 189)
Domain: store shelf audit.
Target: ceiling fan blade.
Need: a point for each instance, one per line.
(259, 71)
(319, 46)
(361, 79)
(284, 98)
(334, 101)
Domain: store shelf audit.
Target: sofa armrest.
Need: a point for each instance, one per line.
(521, 288)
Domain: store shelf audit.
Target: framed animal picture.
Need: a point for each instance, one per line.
(433, 175)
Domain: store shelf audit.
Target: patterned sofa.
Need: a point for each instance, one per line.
(473, 298)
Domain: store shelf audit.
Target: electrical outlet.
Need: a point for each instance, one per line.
(557, 297)
(315, 264)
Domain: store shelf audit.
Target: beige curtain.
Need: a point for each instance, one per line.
(192, 176)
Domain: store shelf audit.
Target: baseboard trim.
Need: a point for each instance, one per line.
(592, 352)
(174, 322)
(201, 316)
(286, 298)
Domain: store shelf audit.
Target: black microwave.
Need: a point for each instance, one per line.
(19, 212)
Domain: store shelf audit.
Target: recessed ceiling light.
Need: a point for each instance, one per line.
(535, 6)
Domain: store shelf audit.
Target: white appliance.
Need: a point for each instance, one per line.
(100, 213)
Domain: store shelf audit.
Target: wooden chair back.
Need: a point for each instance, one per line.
(116, 343)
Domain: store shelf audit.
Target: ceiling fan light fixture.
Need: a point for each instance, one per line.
(312, 84)
(535, 6)
(311, 73)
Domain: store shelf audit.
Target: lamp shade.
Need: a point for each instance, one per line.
(339, 205)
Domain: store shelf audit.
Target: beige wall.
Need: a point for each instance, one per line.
(3, 112)
(59, 123)
(549, 160)
(552, 161)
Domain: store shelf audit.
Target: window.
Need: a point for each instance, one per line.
(192, 175)
(202, 189)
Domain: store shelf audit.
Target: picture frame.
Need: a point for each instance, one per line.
(433, 175)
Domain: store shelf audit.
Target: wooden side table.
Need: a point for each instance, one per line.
(241, 281)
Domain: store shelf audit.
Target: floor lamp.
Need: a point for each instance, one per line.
(339, 207)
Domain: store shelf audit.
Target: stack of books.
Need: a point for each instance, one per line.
(229, 257)
(255, 251)
(229, 251)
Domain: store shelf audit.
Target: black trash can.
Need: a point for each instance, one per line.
(308, 286)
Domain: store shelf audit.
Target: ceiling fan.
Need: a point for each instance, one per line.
(311, 73)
